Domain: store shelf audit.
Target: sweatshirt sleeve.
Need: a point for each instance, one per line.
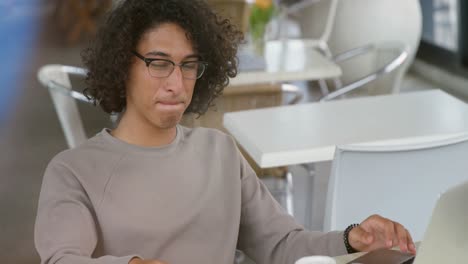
(65, 229)
(269, 235)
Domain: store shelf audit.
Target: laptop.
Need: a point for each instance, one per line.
(445, 239)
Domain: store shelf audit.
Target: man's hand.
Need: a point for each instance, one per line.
(141, 261)
(377, 232)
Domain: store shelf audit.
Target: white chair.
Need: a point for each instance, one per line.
(56, 79)
(385, 58)
(319, 40)
(400, 180)
(359, 22)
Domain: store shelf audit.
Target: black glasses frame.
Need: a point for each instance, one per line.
(148, 61)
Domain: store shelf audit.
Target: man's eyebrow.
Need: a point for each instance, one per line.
(157, 53)
(192, 56)
(162, 54)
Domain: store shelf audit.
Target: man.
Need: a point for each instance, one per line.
(151, 191)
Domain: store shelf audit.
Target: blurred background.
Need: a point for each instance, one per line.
(38, 32)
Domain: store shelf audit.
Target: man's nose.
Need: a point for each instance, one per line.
(175, 80)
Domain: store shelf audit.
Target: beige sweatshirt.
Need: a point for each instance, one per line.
(192, 201)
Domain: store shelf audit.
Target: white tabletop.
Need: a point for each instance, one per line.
(291, 60)
(308, 133)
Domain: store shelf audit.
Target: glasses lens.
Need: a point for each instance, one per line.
(160, 68)
(192, 69)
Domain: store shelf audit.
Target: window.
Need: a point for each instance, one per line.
(445, 34)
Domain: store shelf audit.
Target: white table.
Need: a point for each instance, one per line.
(288, 61)
(308, 133)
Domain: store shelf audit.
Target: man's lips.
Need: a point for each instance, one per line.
(170, 105)
(169, 102)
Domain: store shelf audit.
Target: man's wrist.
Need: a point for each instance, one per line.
(348, 246)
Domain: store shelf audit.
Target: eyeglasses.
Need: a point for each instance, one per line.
(161, 68)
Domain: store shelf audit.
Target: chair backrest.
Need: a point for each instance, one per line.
(56, 78)
(359, 22)
(401, 181)
(385, 60)
(317, 17)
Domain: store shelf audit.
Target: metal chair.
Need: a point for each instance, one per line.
(56, 79)
(360, 22)
(321, 41)
(385, 58)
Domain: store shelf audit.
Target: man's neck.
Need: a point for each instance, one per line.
(143, 134)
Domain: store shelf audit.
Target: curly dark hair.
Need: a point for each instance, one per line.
(109, 56)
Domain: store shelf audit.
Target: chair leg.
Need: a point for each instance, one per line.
(323, 87)
(289, 194)
(336, 81)
(310, 169)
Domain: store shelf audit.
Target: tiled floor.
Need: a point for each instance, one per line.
(30, 134)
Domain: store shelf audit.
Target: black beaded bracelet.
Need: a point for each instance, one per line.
(349, 248)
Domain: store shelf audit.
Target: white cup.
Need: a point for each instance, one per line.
(316, 260)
